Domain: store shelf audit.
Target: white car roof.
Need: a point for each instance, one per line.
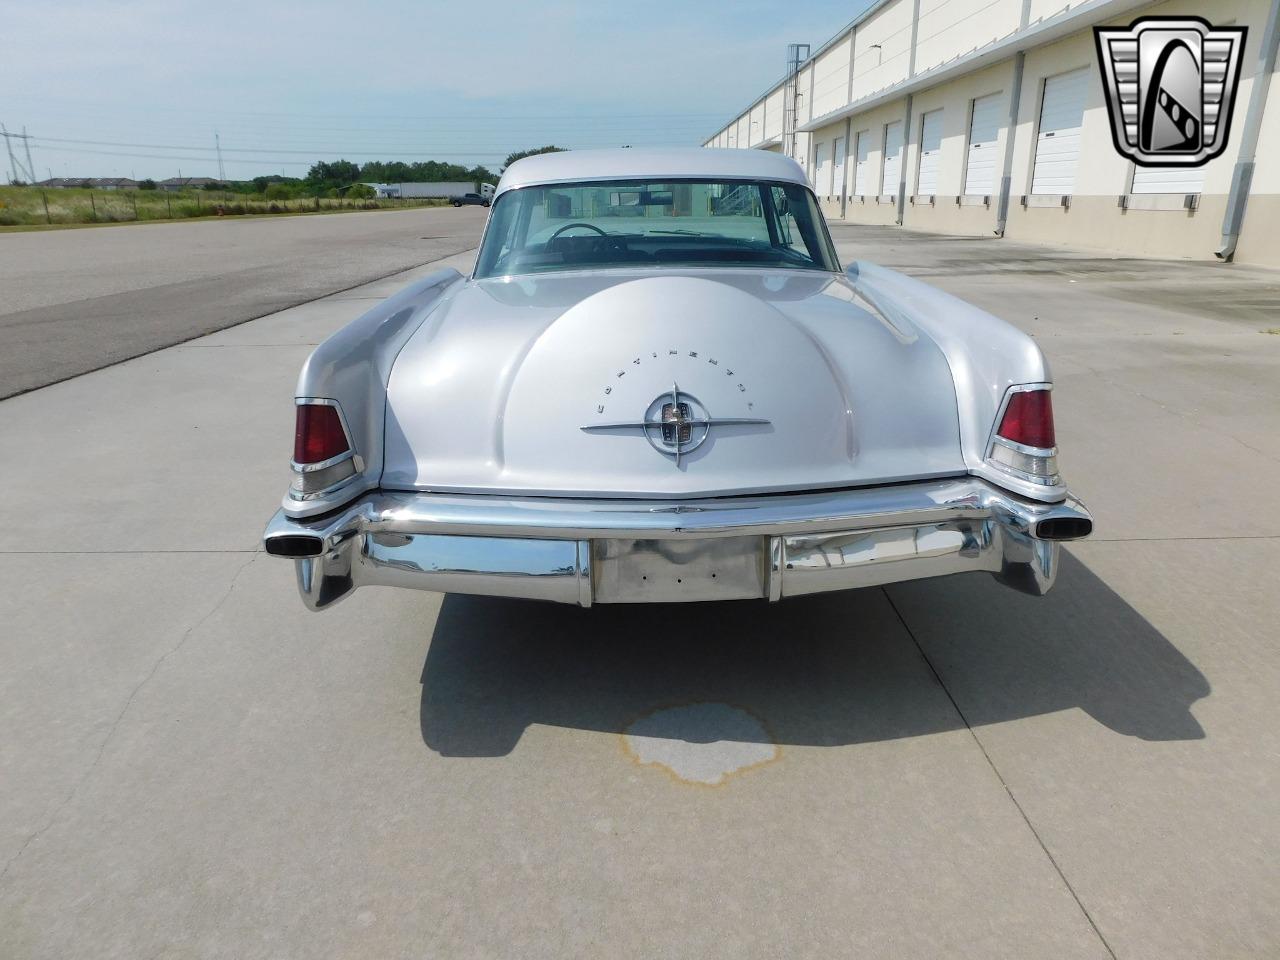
(639, 163)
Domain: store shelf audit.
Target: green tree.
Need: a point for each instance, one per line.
(147, 184)
(361, 191)
(338, 172)
(260, 184)
(521, 154)
(374, 170)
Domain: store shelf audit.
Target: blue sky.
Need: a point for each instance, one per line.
(138, 88)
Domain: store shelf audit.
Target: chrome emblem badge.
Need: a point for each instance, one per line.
(1170, 85)
(676, 423)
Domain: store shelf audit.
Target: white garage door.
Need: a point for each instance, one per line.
(821, 175)
(984, 138)
(1058, 145)
(837, 167)
(862, 165)
(1175, 180)
(891, 175)
(930, 149)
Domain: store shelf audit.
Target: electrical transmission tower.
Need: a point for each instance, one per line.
(15, 166)
(31, 167)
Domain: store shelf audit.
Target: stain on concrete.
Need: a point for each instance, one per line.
(701, 743)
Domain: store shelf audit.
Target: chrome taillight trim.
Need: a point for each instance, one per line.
(1023, 448)
(349, 454)
(1053, 479)
(299, 496)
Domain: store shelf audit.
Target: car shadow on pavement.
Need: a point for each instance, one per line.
(831, 669)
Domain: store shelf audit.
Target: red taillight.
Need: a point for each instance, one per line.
(319, 434)
(1028, 419)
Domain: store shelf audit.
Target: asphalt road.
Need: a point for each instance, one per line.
(72, 301)
(194, 766)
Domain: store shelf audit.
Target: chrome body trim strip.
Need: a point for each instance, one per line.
(347, 454)
(298, 496)
(806, 543)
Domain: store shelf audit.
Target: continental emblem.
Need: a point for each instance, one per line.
(675, 423)
(1170, 85)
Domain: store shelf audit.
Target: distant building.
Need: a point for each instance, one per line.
(89, 183)
(174, 184)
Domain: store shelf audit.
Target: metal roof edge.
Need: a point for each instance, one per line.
(836, 38)
(623, 163)
(1034, 35)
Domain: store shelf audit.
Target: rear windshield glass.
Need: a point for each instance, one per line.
(647, 222)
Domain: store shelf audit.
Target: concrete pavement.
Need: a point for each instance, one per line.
(197, 767)
(77, 300)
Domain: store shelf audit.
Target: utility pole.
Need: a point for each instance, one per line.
(217, 146)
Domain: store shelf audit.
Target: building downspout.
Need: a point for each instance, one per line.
(915, 38)
(1006, 180)
(906, 127)
(902, 164)
(844, 173)
(848, 130)
(1242, 176)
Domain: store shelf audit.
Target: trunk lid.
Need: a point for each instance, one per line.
(493, 392)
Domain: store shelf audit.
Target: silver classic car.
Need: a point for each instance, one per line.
(658, 384)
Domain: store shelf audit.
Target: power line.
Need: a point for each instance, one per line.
(351, 148)
(269, 163)
(275, 134)
(470, 117)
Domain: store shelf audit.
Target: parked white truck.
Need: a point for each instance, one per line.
(446, 189)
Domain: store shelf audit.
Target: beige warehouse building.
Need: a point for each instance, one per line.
(983, 117)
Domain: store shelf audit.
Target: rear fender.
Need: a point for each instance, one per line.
(986, 356)
(353, 367)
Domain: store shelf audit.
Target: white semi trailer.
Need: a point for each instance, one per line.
(448, 188)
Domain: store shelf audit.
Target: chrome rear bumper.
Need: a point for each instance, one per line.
(626, 551)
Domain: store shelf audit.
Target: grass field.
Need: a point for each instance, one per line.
(35, 207)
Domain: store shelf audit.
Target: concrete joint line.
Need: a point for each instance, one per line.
(111, 553)
(106, 741)
(1243, 536)
(996, 770)
(243, 346)
(1178, 413)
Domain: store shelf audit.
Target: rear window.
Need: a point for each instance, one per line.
(623, 223)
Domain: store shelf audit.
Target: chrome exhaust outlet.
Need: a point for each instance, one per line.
(1064, 528)
(294, 546)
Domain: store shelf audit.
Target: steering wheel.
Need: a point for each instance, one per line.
(586, 226)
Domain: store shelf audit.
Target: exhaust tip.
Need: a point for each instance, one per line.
(1064, 528)
(295, 546)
